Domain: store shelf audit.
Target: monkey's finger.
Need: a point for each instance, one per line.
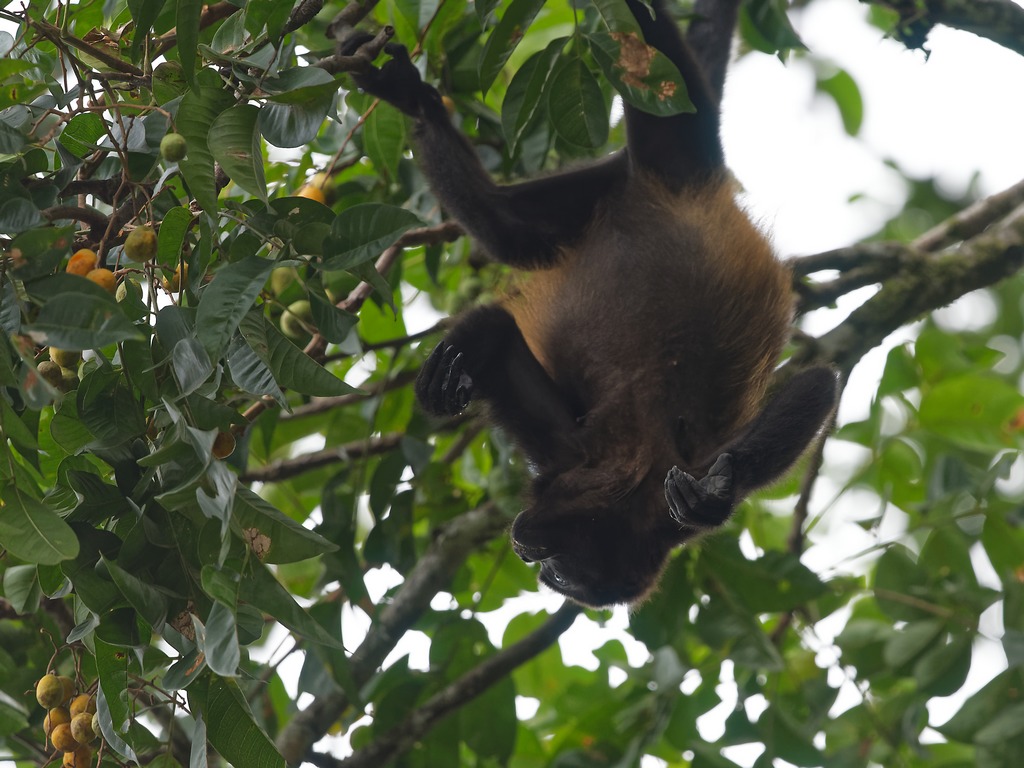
(718, 481)
(425, 379)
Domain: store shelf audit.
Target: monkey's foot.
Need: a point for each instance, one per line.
(443, 387)
(704, 503)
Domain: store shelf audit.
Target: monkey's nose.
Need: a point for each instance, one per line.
(528, 554)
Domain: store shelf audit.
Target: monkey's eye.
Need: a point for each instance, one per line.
(556, 577)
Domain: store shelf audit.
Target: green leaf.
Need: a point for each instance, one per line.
(187, 19)
(21, 588)
(265, 592)
(644, 76)
(973, 411)
(292, 368)
(192, 366)
(384, 139)
(505, 37)
(82, 132)
(227, 299)
(363, 232)
(218, 640)
(766, 26)
(577, 106)
(847, 97)
(173, 229)
(18, 215)
(112, 668)
(86, 323)
(300, 101)
(235, 144)
(145, 599)
(524, 99)
(899, 584)
(250, 373)
(144, 13)
(231, 728)
(911, 641)
(38, 251)
(32, 531)
(196, 115)
(286, 541)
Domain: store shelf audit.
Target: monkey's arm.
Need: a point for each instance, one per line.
(762, 454)
(523, 224)
(486, 357)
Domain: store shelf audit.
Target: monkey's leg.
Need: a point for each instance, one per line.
(524, 225)
(683, 149)
(486, 357)
(769, 447)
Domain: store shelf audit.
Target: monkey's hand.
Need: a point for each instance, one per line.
(443, 386)
(705, 503)
(397, 82)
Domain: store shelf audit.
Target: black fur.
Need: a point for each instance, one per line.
(630, 367)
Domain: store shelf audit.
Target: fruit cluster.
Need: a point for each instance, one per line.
(71, 723)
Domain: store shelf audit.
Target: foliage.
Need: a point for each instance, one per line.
(195, 516)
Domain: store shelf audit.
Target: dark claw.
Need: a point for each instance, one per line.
(704, 503)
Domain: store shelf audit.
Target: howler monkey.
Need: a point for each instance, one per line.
(632, 364)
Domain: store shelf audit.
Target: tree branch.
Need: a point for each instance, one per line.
(421, 720)
(286, 468)
(211, 15)
(452, 544)
(1001, 21)
(930, 283)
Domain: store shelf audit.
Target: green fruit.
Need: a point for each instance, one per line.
(281, 278)
(50, 692)
(124, 287)
(69, 380)
(50, 372)
(295, 319)
(141, 244)
(96, 724)
(173, 147)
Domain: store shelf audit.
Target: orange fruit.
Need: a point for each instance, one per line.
(312, 193)
(173, 284)
(56, 716)
(62, 739)
(104, 278)
(83, 702)
(80, 758)
(82, 262)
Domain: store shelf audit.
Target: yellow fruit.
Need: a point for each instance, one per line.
(49, 692)
(313, 193)
(56, 716)
(140, 245)
(223, 445)
(104, 278)
(65, 358)
(81, 727)
(173, 284)
(65, 681)
(62, 739)
(96, 724)
(82, 262)
(295, 319)
(83, 702)
(80, 758)
(173, 147)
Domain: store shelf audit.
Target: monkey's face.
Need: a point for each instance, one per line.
(595, 550)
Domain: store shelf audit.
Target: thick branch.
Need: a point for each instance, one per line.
(454, 542)
(972, 220)
(419, 722)
(1001, 21)
(934, 282)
